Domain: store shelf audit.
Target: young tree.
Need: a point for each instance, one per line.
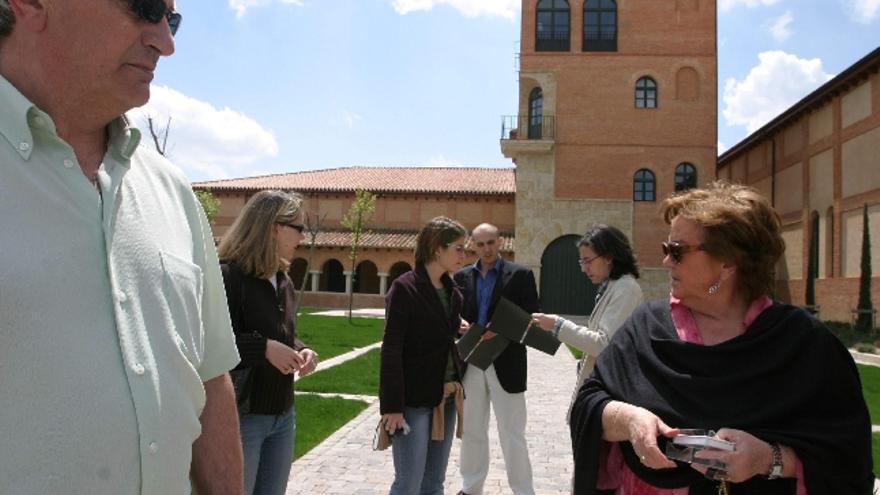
(159, 135)
(210, 204)
(313, 223)
(356, 220)
(865, 310)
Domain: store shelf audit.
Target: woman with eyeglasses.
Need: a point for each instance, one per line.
(606, 258)
(255, 255)
(775, 393)
(420, 391)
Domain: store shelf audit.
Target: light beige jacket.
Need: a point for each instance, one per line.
(621, 297)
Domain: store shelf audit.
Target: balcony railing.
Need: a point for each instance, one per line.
(526, 127)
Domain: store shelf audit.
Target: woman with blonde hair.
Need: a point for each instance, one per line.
(255, 256)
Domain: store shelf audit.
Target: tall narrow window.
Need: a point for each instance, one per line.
(646, 93)
(685, 176)
(552, 26)
(644, 186)
(600, 26)
(536, 113)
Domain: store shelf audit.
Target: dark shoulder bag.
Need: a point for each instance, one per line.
(242, 378)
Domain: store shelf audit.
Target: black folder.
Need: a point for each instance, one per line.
(514, 323)
(478, 352)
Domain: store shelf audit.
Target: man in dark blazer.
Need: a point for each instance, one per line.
(503, 384)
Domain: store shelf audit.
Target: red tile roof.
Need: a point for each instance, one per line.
(401, 180)
(381, 239)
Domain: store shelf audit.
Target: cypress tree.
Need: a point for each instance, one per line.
(865, 308)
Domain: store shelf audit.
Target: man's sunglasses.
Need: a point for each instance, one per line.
(154, 11)
(295, 226)
(677, 250)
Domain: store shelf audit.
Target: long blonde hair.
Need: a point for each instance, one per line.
(250, 241)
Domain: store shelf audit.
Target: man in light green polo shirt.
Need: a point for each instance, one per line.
(115, 339)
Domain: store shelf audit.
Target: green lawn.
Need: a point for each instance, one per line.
(331, 336)
(359, 376)
(876, 450)
(318, 417)
(871, 389)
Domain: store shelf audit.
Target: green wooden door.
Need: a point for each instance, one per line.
(564, 288)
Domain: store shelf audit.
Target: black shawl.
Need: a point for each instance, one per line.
(787, 379)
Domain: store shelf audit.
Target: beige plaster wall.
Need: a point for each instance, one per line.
(821, 123)
(429, 209)
(789, 189)
(793, 138)
(860, 163)
(822, 181)
(764, 186)
(856, 105)
(790, 265)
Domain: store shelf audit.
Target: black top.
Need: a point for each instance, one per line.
(259, 312)
(419, 337)
(787, 379)
(516, 283)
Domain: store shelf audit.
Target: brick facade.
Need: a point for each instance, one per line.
(583, 173)
(818, 163)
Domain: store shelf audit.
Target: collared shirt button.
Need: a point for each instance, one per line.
(68, 163)
(23, 146)
(153, 447)
(139, 369)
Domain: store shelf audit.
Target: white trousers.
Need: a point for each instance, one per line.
(481, 389)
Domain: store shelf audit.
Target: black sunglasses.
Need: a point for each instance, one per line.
(295, 226)
(154, 11)
(677, 250)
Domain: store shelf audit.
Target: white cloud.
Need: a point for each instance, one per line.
(442, 161)
(350, 118)
(470, 8)
(204, 141)
(729, 4)
(778, 81)
(241, 6)
(721, 148)
(780, 27)
(863, 11)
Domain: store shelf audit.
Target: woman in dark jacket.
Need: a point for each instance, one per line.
(254, 258)
(419, 377)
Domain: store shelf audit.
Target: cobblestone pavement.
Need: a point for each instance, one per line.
(345, 463)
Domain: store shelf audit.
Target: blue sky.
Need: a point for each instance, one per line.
(273, 86)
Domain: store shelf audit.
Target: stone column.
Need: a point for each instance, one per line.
(347, 282)
(383, 283)
(316, 278)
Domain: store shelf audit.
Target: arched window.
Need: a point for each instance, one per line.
(644, 186)
(552, 26)
(397, 270)
(685, 176)
(600, 26)
(536, 113)
(332, 277)
(366, 279)
(297, 273)
(646, 93)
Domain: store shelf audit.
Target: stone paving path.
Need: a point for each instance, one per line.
(346, 464)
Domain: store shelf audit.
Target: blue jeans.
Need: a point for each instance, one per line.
(267, 441)
(419, 462)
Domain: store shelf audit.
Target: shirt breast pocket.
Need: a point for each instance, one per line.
(182, 286)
